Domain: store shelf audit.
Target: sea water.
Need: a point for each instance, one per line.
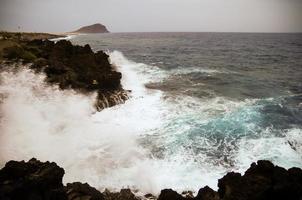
(202, 104)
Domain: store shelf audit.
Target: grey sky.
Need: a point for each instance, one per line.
(153, 15)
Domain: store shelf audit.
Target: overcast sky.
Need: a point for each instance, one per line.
(153, 15)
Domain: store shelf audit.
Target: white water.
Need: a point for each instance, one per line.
(67, 37)
(41, 121)
(103, 149)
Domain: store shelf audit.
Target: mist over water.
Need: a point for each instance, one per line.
(201, 105)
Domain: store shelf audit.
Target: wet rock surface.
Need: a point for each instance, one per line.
(43, 180)
(71, 67)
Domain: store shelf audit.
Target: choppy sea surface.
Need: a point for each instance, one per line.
(202, 104)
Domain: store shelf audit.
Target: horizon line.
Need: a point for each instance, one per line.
(262, 32)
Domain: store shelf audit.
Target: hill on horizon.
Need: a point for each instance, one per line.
(94, 28)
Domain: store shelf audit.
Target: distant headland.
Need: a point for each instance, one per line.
(94, 28)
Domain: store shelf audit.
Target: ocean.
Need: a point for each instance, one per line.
(202, 105)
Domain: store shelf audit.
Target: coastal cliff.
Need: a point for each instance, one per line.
(35, 180)
(69, 66)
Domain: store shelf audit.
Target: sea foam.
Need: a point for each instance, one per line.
(151, 142)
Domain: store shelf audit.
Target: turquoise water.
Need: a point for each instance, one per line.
(202, 104)
(239, 86)
(231, 98)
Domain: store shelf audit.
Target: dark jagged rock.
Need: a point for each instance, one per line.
(124, 194)
(35, 180)
(95, 28)
(262, 181)
(31, 180)
(72, 66)
(169, 194)
(207, 193)
(149, 196)
(80, 191)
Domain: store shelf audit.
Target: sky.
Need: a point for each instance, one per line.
(57, 16)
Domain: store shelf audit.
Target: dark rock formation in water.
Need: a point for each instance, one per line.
(72, 66)
(82, 191)
(31, 180)
(124, 194)
(262, 181)
(95, 28)
(35, 180)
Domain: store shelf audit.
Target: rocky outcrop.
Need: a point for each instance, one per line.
(80, 191)
(169, 194)
(124, 194)
(72, 66)
(205, 193)
(43, 181)
(31, 180)
(95, 28)
(262, 181)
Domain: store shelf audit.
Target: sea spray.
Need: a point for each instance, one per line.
(42, 121)
(155, 140)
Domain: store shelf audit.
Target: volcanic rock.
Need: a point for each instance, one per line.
(35, 180)
(72, 66)
(124, 194)
(80, 191)
(31, 180)
(262, 181)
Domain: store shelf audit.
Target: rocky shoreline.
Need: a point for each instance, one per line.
(43, 180)
(67, 65)
(79, 68)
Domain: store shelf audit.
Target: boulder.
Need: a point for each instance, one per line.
(31, 180)
(169, 194)
(124, 194)
(207, 193)
(262, 181)
(80, 191)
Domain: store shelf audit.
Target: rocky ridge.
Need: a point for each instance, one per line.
(35, 180)
(71, 67)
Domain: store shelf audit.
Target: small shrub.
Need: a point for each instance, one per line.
(16, 52)
(28, 56)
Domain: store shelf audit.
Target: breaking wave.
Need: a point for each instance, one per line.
(155, 140)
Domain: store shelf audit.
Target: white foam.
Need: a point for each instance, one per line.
(44, 122)
(135, 75)
(67, 37)
(189, 70)
(276, 149)
(104, 148)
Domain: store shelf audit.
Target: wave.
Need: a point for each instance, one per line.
(38, 120)
(151, 142)
(67, 37)
(189, 70)
(283, 151)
